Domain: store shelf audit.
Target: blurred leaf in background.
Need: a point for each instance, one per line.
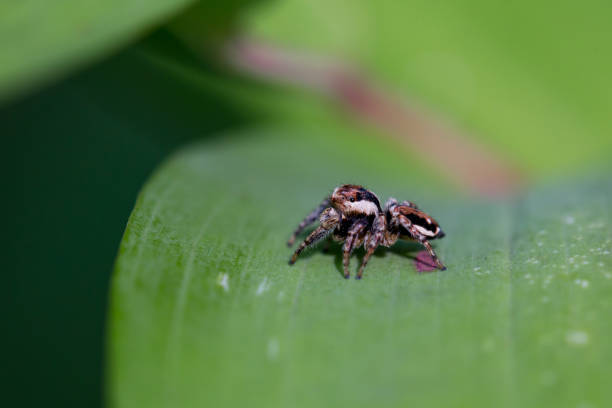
(42, 40)
(530, 81)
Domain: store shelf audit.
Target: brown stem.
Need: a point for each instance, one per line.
(470, 165)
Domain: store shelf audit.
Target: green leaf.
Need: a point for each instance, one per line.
(42, 40)
(205, 310)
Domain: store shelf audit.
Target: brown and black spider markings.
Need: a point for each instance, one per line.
(352, 214)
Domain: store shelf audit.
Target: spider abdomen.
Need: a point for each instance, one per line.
(422, 222)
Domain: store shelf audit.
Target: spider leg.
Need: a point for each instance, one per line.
(391, 233)
(409, 204)
(427, 246)
(329, 220)
(405, 222)
(372, 241)
(351, 240)
(390, 203)
(310, 218)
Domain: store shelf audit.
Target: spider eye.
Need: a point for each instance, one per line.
(352, 199)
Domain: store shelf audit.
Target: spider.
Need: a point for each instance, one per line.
(352, 214)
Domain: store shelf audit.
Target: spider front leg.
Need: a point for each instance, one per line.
(310, 218)
(352, 239)
(329, 220)
(422, 240)
(372, 241)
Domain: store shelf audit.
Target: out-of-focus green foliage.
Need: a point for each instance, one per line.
(40, 40)
(77, 154)
(532, 79)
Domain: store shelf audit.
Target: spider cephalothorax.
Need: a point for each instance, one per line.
(352, 214)
(354, 200)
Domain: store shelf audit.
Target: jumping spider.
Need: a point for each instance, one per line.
(352, 214)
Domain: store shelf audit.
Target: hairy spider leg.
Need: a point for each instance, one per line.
(349, 245)
(310, 218)
(405, 222)
(329, 220)
(390, 203)
(409, 204)
(372, 241)
(427, 246)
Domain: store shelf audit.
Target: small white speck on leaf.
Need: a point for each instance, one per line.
(263, 286)
(600, 264)
(476, 269)
(569, 220)
(542, 232)
(273, 348)
(582, 283)
(585, 262)
(223, 281)
(539, 244)
(577, 338)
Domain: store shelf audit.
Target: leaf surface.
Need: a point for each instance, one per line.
(205, 310)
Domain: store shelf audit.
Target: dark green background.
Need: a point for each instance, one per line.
(72, 177)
